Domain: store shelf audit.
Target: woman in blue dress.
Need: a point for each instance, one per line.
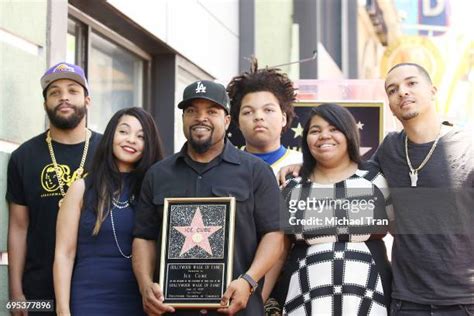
(92, 268)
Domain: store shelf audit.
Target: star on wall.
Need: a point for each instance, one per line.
(197, 234)
(360, 125)
(298, 130)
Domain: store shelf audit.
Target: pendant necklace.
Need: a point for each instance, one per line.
(119, 205)
(414, 171)
(57, 169)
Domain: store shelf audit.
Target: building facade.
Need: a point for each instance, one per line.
(135, 53)
(144, 52)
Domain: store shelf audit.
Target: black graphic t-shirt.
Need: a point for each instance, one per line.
(32, 182)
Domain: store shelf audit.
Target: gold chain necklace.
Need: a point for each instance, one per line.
(414, 171)
(57, 169)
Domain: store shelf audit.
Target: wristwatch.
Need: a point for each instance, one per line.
(252, 282)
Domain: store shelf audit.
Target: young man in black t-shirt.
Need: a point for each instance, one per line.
(429, 167)
(39, 174)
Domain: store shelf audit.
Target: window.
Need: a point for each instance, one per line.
(116, 80)
(71, 39)
(115, 67)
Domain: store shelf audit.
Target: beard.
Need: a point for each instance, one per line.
(68, 122)
(200, 146)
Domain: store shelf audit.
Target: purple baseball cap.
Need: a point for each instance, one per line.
(64, 70)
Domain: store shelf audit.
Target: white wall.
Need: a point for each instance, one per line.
(327, 67)
(203, 31)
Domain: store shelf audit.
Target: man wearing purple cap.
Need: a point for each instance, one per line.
(39, 174)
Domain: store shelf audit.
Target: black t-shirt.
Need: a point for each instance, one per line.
(433, 249)
(234, 173)
(32, 182)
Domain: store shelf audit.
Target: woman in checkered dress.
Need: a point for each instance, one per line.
(337, 216)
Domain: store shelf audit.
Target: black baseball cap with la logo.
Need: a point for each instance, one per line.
(208, 90)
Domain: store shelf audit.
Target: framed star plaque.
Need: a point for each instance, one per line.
(197, 250)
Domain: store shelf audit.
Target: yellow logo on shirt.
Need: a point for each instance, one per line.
(49, 180)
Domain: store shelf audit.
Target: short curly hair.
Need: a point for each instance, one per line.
(267, 79)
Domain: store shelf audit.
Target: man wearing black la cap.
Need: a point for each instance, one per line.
(203, 168)
(212, 93)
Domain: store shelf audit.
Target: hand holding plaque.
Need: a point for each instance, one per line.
(197, 251)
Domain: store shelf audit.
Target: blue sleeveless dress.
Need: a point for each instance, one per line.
(103, 282)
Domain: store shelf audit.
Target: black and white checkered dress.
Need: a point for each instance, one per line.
(338, 265)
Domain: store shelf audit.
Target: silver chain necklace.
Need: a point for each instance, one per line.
(119, 205)
(414, 171)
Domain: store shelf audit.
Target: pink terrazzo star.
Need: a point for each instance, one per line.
(197, 234)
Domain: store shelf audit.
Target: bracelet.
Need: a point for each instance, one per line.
(253, 284)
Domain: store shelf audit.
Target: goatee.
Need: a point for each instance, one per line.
(200, 147)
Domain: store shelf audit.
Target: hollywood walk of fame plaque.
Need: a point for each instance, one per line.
(197, 250)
